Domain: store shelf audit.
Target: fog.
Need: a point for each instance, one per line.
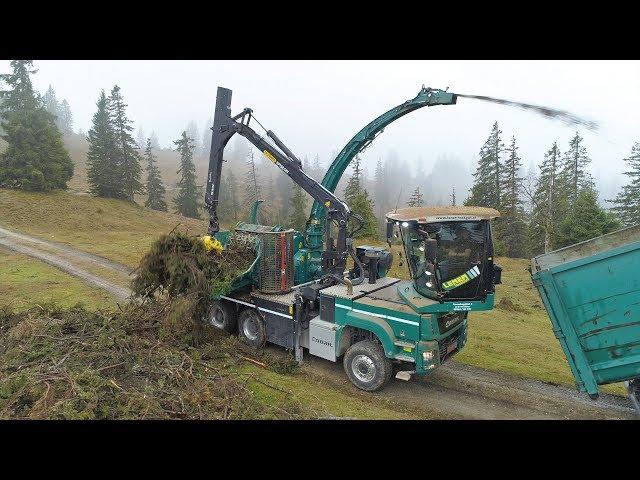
(316, 106)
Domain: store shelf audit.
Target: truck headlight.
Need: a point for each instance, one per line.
(428, 356)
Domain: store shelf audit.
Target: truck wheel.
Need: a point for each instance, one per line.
(222, 315)
(367, 366)
(251, 328)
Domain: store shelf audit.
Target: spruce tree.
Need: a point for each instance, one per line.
(187, 199)
(487, 183)
(353, 187)
(228, 201)
(51, 103)
(66, 118)
(194, 135)
(252, 181)
(35, 158)
(128, 159)
(316, 169)
(141, 142)
(574, 176)
(416, 199)
(155, 189)
(103, 170)
(627, 201)
(548, 201)
(206, 138)
(511, 227)
(363, 205)
(585, 220)
(155, 144)
(453, 196)
(298, 207)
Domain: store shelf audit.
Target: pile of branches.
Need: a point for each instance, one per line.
(132, 363)
(178, 265)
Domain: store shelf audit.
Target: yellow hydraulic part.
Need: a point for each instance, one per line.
(211, 243)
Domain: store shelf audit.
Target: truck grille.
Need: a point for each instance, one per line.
(443, 346)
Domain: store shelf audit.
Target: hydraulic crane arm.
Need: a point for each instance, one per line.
(426, 97)
(224, 127)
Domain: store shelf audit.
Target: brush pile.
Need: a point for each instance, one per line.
(179, 266)
(131, 363)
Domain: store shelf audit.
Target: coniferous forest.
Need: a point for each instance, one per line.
(554, 205)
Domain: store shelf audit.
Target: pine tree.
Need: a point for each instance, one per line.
(35, 158)
(585, 220)
(155, 189)
(627, 201)
(229, 206)
(51, 104)
(141, 140)
(128, 156)
(103, 173)
(363, 205)
(298, 207)
(416, 199)
(511, 227)
(574, 176)
(186, 200)
(353, 187)
(155, 144)
(194, 135)
(547, 203)
(486, 190)
(66, 118)
(453, 196)
(252, 182)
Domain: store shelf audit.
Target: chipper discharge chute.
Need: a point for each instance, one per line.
(591, 291)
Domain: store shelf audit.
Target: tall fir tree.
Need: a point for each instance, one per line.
(298, 207)
(128, 156)
(206, 138)
(453, 196)
(416, 199)
(229, 205)
(66, 118)
(548, 204)
(187, 199)
(487, 182)
(140, 140)
(252, 182)
(155, 189)
(194, 135)
(155, 144)
(585, 220)
(354, 184)
(51, 103)
(627, 201)
(103, 170)
(35, 158)
(511, 227)
(316, 169)
(574, 176)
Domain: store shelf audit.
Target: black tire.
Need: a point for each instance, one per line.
(222, 315)
(251, 328)
(367, 366)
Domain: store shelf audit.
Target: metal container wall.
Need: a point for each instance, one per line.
(591, 292)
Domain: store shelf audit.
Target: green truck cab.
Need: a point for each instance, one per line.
(384, 324)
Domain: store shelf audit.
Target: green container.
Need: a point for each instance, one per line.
(591, 291)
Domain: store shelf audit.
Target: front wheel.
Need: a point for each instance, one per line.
(367, 366)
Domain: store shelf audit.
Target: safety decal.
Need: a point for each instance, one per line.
(462, 279)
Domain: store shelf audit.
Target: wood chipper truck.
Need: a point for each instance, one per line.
(300, 295)
(591, 291)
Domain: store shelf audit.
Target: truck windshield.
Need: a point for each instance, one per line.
(460, 254)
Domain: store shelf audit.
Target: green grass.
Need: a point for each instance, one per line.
(27, 282)
(516, 341)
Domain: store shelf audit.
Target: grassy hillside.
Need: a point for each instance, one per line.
(515, 337)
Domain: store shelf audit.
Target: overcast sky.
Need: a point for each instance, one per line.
(316, 106)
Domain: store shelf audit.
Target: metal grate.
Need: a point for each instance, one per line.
(275, 266)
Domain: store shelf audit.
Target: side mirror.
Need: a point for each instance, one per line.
(497, 275)
(431, 246)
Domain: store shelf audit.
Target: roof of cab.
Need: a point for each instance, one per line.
(442, 214)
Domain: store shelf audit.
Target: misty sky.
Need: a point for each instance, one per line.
(317, 106)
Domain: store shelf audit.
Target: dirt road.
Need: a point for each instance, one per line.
(453, 391)
(69, 260)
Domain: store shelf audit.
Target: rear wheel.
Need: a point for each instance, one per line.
(367, 366)
(251, 328)
(222, 315)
